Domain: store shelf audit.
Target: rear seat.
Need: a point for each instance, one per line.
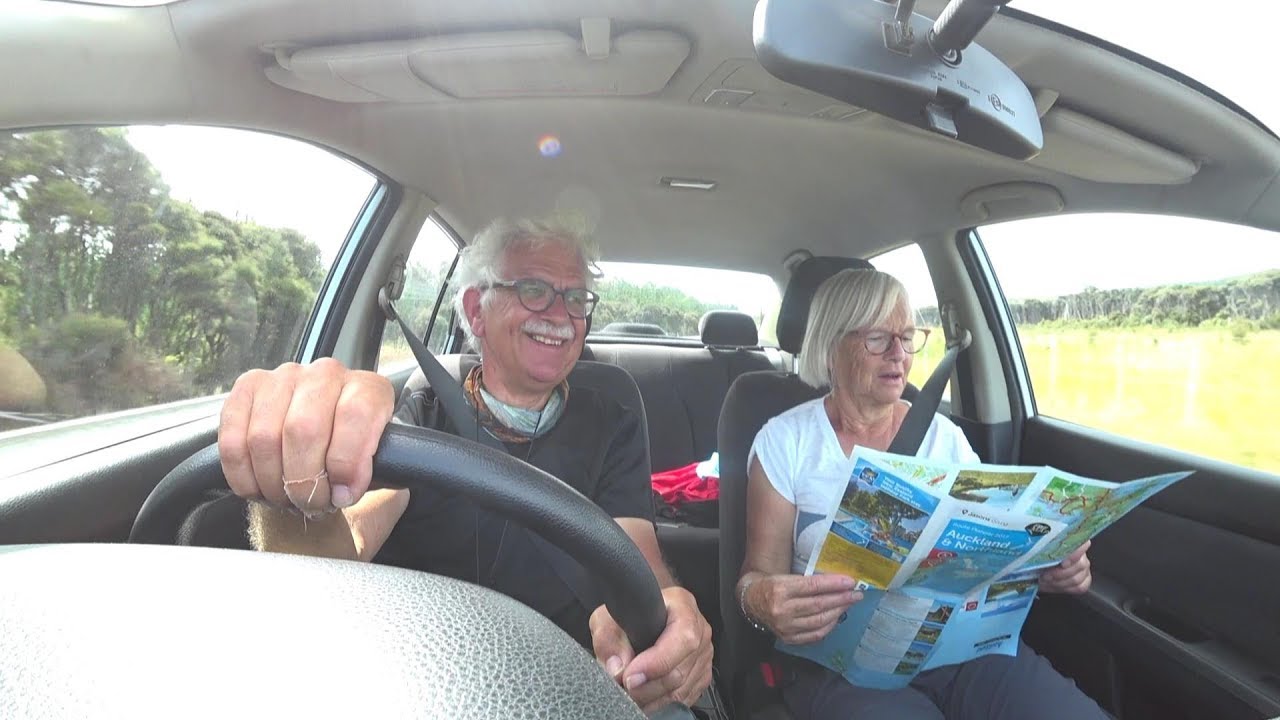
(684, 387)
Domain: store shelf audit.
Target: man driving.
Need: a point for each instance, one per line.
(301, 439)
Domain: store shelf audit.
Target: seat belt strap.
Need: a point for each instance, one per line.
(916, 424)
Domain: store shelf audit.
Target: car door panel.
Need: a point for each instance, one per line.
(1183, 600)
(95, 496)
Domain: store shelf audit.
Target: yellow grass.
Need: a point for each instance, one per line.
(1198, 390)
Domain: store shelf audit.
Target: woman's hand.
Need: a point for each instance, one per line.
(1073, 576)
(799, 609)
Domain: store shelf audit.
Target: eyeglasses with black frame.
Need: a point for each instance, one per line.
(878, 342)
(537, 295)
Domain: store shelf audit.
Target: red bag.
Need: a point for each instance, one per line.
(683, 485)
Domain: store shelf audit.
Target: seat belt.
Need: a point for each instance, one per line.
(449, 392)
(920, 416)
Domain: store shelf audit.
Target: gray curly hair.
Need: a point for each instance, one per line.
(480, 263)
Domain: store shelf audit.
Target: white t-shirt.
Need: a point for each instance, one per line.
(801, 455)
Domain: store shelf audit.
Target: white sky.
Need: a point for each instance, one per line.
(270, 180)
(242, 175)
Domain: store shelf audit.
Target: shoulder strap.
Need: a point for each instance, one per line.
(449, 393)
(920, 416)
(447, 390)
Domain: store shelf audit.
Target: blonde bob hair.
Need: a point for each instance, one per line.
(846, 302)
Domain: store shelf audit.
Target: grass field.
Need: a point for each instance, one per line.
(1199, 390)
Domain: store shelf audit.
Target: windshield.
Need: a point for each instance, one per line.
(669, 300)
(1221, 46)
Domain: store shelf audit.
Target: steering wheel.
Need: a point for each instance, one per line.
(125, 628)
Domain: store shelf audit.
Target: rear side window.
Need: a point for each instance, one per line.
(146, 265)
(908, 265)
(1160, 329)
(426, 272)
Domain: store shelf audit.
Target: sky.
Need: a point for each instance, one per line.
(241, 175)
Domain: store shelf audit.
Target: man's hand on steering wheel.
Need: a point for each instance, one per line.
(678, 666)
(304, 435)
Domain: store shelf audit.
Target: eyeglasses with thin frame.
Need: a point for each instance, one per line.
(878, 342)
(537, 295)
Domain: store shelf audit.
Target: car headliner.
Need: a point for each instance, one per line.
(785, 181)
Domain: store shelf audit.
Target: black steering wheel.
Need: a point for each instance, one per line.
(145, 631)
(412, 457)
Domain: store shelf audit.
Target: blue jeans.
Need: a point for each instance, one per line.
(995, 687)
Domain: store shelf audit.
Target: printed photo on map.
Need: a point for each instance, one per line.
(929, 633)
(876, 524)
(940, 613)
(993, 488)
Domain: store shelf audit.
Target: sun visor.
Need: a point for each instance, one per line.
(541, 63)
(1079, 145)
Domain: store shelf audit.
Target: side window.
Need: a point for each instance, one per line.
(146, 265)
(908, 265)
(1160, 329)
(426, 271)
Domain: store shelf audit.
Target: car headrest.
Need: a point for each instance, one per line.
(633, 328)
(805, 279)
(728, 327)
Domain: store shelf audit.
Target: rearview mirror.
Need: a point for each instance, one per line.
(886, 59)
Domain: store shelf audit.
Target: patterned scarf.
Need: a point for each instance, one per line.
(509, 423)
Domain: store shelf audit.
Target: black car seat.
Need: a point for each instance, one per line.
(752, 399)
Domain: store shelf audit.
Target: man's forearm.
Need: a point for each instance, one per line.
(354, 533)
(274, 530)
(665, 576)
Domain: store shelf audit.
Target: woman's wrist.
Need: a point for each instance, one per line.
(744, 607)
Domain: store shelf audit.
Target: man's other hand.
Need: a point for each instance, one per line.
(678, 666)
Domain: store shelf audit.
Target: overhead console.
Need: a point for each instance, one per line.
(520, 63)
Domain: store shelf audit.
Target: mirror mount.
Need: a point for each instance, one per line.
(869, 54)
(959, 23)
(898, 35)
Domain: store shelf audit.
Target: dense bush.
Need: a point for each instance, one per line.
(93, 364)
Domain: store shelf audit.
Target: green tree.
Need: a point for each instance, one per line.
(9, 294)
(92, 364)
(101, 254)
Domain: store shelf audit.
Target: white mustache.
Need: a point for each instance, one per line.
(549, 329)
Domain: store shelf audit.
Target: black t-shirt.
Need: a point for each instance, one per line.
(597, 448)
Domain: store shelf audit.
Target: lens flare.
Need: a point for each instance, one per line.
(549, 146)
